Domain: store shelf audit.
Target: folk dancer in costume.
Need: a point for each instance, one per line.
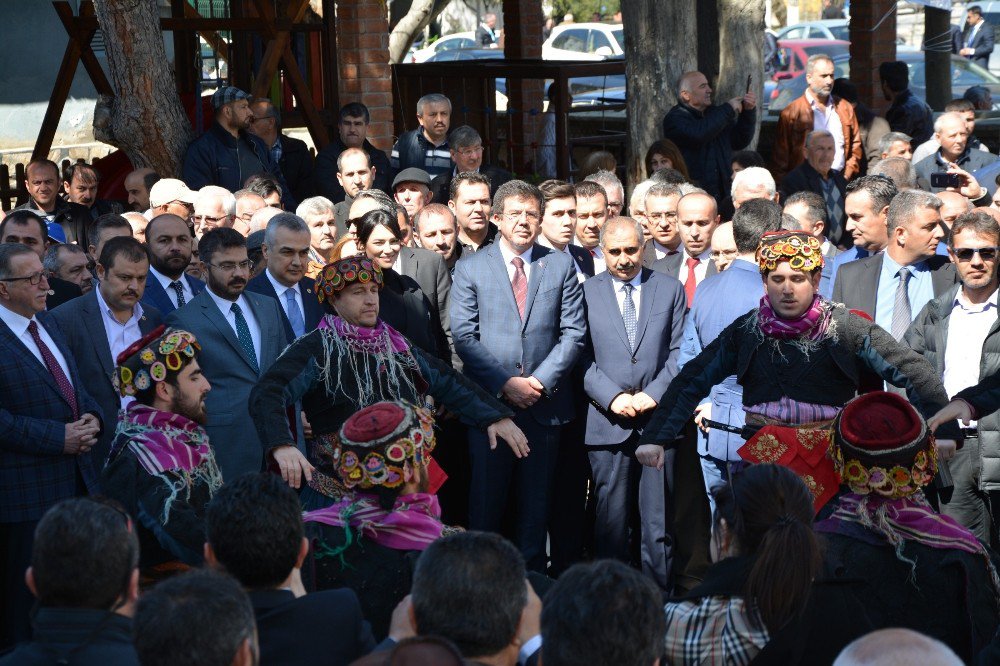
(161, 467)
(799, 359)
(352, 360)
(369, 540)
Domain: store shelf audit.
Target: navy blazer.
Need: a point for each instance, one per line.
(155, 296)
(585, 261)
(611, 367)
(495, 344)
(856, 285)
(34, 472)
(81, 323)
(307, 287)
(230, 429)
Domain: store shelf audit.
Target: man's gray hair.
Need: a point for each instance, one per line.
(905, 204)
(607, 180)
(52, 262)
(215, 192)
(379, 197)
(945, 117)
(272, 110)
(7, 253)
(689, 188)
(289, 221)
(314, 206)
(622, 221)
(638, 198)
(463, 136)
(433, 98)
(661, 190)
(790, 223)
(516, 189)
(753, 177)
(815, 134)
(815, 58)
(889, 138)
(897, 169)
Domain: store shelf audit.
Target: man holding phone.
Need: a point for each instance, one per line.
(952, 133)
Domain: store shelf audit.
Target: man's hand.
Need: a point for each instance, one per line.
(702, 412)
(400, 627)
(956, 409)
(642, 402)
(650, 455)
(736, 103)
(531, 617)
(749, 101)
(966, 51)
(946, 449)
(520, 392)
(622, 405)
(80, 436)
(293, 465)
(510, 433)
(970, 187)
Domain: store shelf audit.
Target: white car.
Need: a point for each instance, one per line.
(584, 41)
(459, 40)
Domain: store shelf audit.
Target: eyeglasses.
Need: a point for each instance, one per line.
(209, 218)
(231, 266)
(724, 253)
(469, 152)
(520, 215)
(662, 216)
(966, 253)
(32, 279)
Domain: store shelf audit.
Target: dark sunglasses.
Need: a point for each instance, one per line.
(966, 253)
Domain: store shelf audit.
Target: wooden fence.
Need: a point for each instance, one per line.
(14, 190)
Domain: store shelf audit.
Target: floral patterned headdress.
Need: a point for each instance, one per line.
(160, 354)
(802, 251)
(338, 274)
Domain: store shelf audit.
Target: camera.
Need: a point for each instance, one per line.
(944, 179)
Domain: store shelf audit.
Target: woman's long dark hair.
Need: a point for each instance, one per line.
(769, 514)
(375, 218)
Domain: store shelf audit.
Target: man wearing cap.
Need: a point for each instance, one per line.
(162, 467)
(412, 190)
(355, 173)
(427, 146)
(227, 154)
(170, 196)
(42, 181)
(170, 244)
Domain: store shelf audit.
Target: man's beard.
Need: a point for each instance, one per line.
(191, 409)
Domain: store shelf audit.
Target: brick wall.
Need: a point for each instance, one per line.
(363, 59)
(522, 20)
(870, 48)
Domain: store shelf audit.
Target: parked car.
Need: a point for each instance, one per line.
(793, 54)
(466, 54)
(964, 75)
(459, 40)
(825, 29)
(584, 41)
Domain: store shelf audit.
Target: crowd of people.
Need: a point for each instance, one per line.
(386, 408)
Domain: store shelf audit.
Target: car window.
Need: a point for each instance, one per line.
(619, 37)
(571, 40)
(816, 33)
(971, 74)
(449, 45)
(795, 33)
(841, 32)
(597, 40)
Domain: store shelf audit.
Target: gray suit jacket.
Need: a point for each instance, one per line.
(428, 270)
(495, 344)
(227, 368)
(856, 283)
(612, 367)
(82, 325)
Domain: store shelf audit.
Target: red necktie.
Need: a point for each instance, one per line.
(692, 281)
(520, 285)
(57, 372)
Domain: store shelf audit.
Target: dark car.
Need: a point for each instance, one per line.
(466, 54)
(964, 75)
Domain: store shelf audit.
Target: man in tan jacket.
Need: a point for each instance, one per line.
(817, 109)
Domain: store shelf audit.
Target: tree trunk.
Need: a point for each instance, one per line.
(741, 52)
(145, 119)
(417, 17)
(660, 45)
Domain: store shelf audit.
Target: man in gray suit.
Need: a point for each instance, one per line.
(518, 324)
(635, 319)
(104, 322)
(241, 334)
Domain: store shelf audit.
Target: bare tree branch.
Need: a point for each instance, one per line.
(420, 15)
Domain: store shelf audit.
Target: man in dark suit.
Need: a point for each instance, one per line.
(977, 37)
(290, 154)
(171, 245)
(254, 531)
(466, 148)
(241, 334)
(894, 286)
(286, 254)
(48, 426)
(518, 326)
(353, 132)
(697, 218)
(559, 225)
(28, 228)
(486, 33)
(635, 321)
(815, 175)
(105, 322)
(430, 272)
(660, 211)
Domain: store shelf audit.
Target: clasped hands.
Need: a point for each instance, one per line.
(632, 405)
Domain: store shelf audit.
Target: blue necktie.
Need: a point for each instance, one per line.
(243, 334)
(294, 313)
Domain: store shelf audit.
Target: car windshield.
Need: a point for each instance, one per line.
(620, 38)
(840, 32)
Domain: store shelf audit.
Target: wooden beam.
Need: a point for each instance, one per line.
(210, 36)
(60, 89)
(85, 27)
(302, 94)
(279, 35)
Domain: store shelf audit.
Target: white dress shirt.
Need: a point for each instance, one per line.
(825, 118)
(120, 336)
(968, 327)
(226, 308)
(662, 250)
(508, 254)
(619, 286)
(599, 265)
(280, 290)
(699, 271)
(18, 325)
(171, 294)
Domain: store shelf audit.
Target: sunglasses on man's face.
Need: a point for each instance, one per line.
(966, 253)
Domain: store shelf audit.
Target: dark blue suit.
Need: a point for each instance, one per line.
(495, 345)
(612, 368)
(157, 297)
(312, 310)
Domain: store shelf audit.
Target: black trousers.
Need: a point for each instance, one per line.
(16, 600)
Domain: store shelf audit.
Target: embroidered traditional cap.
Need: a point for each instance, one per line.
(378, 445)
(160, 354)
(338, 274)
(883, 446)
(802, 251)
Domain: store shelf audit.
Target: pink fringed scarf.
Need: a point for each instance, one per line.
(413, 523)
(812, 324)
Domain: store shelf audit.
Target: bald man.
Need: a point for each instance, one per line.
(897, 647)
(697, 218)
(707, 133)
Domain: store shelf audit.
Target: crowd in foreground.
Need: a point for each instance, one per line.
(444, 415)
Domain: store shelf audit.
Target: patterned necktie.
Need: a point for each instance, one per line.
(692, 280)
(628, 314)
(520, 285)
(834, 208)
(179, 289)
(901, 313)
(55, 369)
(294, 313)
(243, 334)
